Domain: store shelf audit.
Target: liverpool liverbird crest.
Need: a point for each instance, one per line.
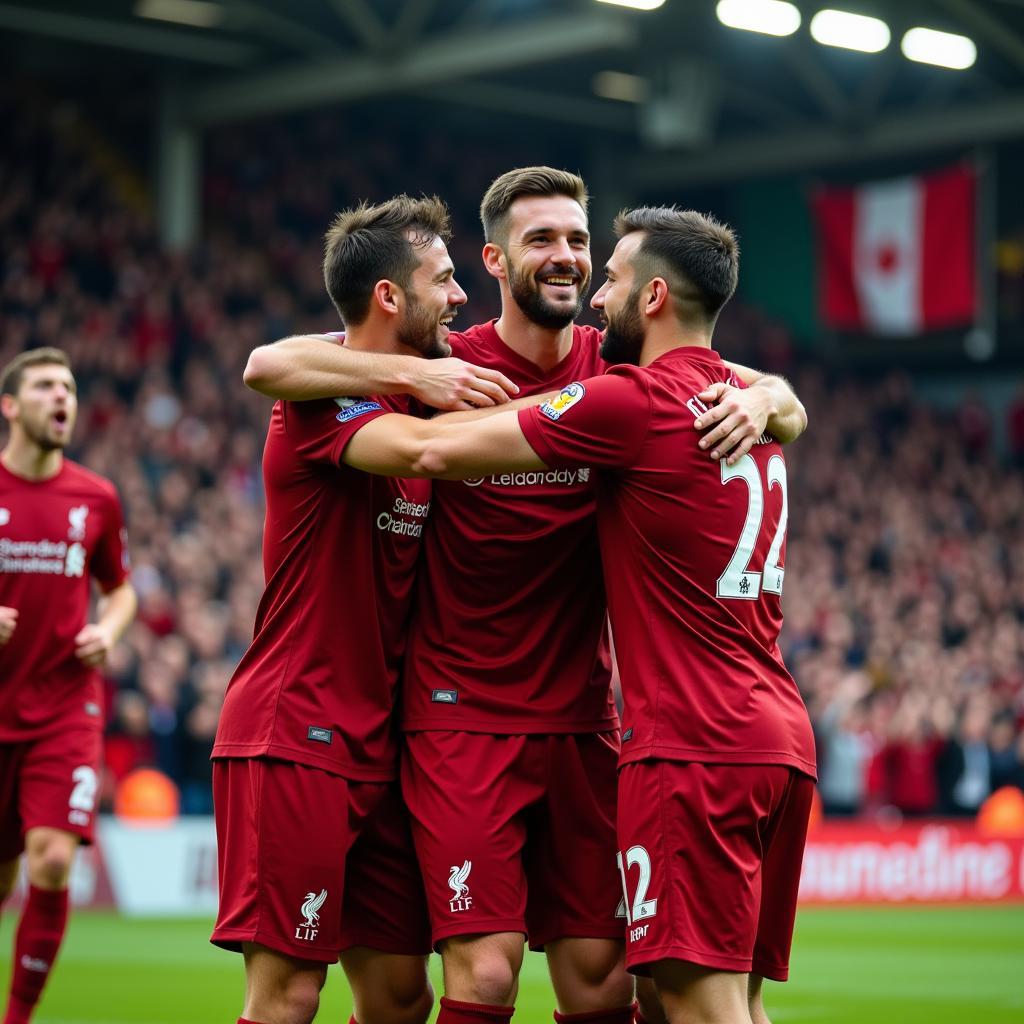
(457, 879)
(311, 908)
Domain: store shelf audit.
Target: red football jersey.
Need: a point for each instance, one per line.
(509, 630)
(694, 554)
(317, 685)
(55, 535)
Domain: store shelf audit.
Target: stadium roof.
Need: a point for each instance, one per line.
(700, 101)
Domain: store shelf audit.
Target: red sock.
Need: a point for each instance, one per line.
(39, 935)
(618, 1015)
(454, 1012)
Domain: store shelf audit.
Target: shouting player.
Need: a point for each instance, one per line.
(60, 527)
(512, 736)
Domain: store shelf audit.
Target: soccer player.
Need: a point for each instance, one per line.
(512, 735)
(717, 762)
(60, 527)
(314, 851)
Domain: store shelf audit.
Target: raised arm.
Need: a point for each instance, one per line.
(738, 417)
(319, 366)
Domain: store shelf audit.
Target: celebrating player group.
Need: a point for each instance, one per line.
(421, 749)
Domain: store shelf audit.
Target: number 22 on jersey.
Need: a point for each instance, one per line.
(738, 582)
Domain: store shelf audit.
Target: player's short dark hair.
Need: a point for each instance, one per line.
(698, 256)
(12, 374)
(520, 182)
(370, 243)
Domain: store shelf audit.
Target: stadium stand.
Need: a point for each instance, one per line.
(905, 617)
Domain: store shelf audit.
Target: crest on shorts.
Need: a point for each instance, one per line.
(308, 930)
(457, 882)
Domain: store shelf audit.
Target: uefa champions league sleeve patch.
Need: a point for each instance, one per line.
(564, 401)
(351, 408)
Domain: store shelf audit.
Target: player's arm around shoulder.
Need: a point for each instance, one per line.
(311, 366)
(451, 447)
(739, 416)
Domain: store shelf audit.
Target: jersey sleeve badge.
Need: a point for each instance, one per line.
(563, 401)
(351, 408)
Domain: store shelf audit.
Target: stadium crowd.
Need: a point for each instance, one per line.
(905, 606)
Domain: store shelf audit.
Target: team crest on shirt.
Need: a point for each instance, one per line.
(563, 401)
(354, 407)
(76, 522)
(457, 882)
(310, 927)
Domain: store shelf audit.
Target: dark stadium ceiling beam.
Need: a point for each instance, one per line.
(120, 35)
(443, 58)
(246, 16)
(502, 99)
(783, 153)
(363, 20)
(987, 26)
(805, 63)
(411, 21)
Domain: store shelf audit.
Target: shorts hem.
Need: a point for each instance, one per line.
(382, 945)
(232, 939)
(773, 972)
(571, 931)
(640, 963)
(454, 931)
(86, 833)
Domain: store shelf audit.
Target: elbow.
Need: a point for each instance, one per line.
(801, 419)
(430, 460)
(259, 370)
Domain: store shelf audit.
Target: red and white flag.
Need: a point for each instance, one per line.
(897, 257)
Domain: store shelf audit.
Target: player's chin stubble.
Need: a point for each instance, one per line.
(624, 336)
(535, 307)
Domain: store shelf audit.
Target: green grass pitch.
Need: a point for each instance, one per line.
(904, 966)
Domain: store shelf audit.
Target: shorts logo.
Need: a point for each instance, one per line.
(353, 407)
(627, 735)
(563, 401)
(444, 696)
(309, 929)
(457, 881)
(5, 516)
(320, 734)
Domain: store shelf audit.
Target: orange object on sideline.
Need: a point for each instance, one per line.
(146, 796)
(1002, 814)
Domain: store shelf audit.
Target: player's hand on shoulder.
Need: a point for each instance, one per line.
(92, 645)
(8, 621)
(453, 385)
(737, 417)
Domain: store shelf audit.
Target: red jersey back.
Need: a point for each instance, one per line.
(55, 535)
(509, 630)
(694, 554)
(317, 685)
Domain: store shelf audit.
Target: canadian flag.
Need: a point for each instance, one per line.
(897, 257)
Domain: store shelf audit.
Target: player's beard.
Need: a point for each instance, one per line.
(420, 329)
(624, 336)
(39, 434)
(527, 295)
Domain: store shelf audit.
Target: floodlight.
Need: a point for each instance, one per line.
(944, 49)
(850, 31)
(772, 17)
(636, 5)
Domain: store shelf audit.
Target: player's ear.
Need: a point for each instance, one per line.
(388, 296)
(656, 295)
(495, 262)
(8, 406)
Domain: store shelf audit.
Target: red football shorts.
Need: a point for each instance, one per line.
(710, 863)
(49, 782)
(311, 864)
(515, 833)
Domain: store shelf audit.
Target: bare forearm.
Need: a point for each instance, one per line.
(787, 418)
(317, 366)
